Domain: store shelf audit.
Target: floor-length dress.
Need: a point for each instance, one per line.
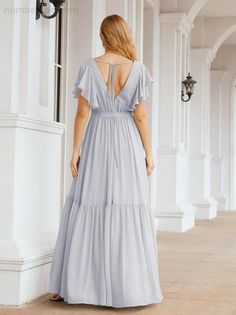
(106, 249)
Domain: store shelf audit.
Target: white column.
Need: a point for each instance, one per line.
(30, 167)
(117, 7)
(173, 208)
(151, 58)
(232, 175)
(99, 9)
(217, 80)
(200, 158)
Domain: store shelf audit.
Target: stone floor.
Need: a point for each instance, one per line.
(197, 272)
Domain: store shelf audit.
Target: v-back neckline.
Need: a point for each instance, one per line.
(103, 81)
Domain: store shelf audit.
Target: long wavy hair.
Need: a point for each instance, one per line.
(117, 37)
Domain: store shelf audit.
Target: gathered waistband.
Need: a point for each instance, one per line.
(111, 114)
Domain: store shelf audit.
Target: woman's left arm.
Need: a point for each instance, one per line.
(81, 118)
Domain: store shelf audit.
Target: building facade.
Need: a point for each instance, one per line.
(194, 143)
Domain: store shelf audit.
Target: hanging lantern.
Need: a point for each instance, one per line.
(189, 87)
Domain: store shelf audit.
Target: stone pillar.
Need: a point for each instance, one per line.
(232, 175)
(118, 7)
(99, 7)
(151, 58)
(31, 143)
(173, 208)
(200, 158)
(217, 81)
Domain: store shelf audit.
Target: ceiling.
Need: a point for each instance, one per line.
(212, 9)
(231, 40)
(219, 8)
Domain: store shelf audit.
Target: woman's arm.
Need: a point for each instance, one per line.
(141, 120)
(81, 119)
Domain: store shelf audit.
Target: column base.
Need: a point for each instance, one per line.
(206, 209)
(222, 203)
(176, 218)
(31, 166)
(24, 270)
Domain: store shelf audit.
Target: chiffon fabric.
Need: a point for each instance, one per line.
(106, 248)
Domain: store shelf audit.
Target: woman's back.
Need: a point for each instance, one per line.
(112, 87)
(115, 74)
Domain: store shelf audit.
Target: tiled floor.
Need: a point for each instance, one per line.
(197, 271)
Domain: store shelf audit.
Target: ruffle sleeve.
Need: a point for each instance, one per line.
(142, 90)
(84, 85)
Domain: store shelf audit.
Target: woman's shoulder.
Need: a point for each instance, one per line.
(142, 68)
(85, 61)
(141, 64)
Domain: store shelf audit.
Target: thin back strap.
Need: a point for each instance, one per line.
(111, 74)
(113, 64)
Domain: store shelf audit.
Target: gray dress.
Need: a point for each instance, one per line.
(106, 249)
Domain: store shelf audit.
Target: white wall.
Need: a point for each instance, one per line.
(33, 146)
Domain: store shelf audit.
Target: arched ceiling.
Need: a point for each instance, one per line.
(216, 13)
(189, 7)
(215, 25)
(231, 40)
(219, 8)
(168, 6)
(214, 20)
(223, 37)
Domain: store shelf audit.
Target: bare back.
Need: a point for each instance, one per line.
(115, 75)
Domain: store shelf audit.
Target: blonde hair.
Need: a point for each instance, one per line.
(117, 37)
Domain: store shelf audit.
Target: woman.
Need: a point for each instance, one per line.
(106, 251)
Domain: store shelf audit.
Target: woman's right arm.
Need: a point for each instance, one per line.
(81, 118)
(141, 120)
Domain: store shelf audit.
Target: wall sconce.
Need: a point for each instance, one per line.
(189, 88)
(39, 8)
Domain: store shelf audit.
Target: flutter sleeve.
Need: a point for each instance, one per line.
(143, 87)
(84, 85)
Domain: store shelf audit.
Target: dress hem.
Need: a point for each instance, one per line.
(87, 302)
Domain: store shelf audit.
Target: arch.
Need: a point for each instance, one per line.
(223, 37)
(197, 6)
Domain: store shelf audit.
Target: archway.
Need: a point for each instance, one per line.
(196, 8)
(222, 38)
